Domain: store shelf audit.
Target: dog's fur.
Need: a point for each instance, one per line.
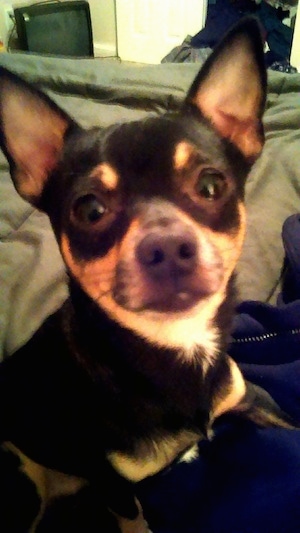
(132, 372)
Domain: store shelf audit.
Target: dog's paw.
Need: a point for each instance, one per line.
(138, 525)
(131, 526)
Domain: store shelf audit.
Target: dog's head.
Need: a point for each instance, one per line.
(149, 215)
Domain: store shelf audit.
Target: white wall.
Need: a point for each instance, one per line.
(13, 3)
(103, 21)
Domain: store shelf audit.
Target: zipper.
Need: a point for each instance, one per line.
(266, 336)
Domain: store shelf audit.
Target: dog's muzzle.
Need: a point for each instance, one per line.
(172, 268)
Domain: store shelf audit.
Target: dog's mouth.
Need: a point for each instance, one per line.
(166, 303)
(174, 303)
(174, 294)
(179, 301)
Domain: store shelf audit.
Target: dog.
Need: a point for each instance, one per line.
(132, 372)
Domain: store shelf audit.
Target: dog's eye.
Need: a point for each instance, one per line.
(88, 209)
(211, 184)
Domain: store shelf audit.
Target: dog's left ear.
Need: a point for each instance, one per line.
(230, 89)
(32, 131)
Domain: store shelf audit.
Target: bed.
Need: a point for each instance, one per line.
(33, 283)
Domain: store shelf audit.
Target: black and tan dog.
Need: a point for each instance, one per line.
(132, 372)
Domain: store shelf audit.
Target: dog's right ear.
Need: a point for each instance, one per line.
(32, 131)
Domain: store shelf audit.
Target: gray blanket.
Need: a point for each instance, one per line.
(94, 91)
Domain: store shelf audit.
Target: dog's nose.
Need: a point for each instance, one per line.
(167, 254)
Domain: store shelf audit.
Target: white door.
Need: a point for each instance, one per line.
(147, 30)
(295, 53)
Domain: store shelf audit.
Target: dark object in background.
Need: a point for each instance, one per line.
(55, 28)
(224, 13)
(220, 17)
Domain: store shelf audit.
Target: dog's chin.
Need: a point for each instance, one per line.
(175, 302)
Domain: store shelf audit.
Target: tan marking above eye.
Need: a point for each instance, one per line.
(107, 175)
(182, 155)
